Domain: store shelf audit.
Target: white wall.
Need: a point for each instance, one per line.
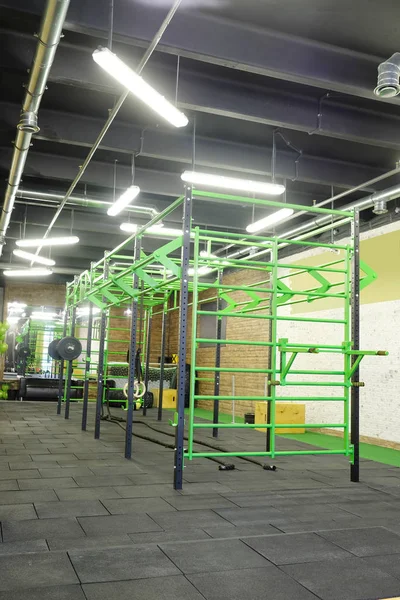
(380, 330)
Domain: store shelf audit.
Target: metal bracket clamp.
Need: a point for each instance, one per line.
(357, 384)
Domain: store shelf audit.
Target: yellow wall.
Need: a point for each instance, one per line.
(381, 253)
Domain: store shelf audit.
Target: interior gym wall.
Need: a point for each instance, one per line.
(380, 327)
(231, 356)
(35, 294)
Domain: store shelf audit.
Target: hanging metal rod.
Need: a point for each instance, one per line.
(48, 39)
(112, 115)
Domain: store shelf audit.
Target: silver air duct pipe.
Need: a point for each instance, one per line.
(375, 199)
(81, 201)
(388, 77)
(48, 40)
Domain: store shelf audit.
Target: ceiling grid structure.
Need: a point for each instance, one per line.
(244, 72)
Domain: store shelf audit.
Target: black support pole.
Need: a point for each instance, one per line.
(162, 360)
(87, 368)
(268, 386)
(146, 373)
(61, 371)
(183, 325)
(355, 336)
(217, 378)
(100, 364)
(70, 368)
(132, 357)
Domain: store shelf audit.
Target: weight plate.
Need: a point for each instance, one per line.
(52, 349)
(69, 348)
(22, 350)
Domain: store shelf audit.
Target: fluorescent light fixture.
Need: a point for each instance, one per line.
(38, 272)
(84, 311)
(51, 241)
(124, 200)
(206, 254)
(44, 316)
(200, 271)
(12, 320)
(115, 67)
(158, 229)
(232, 183)
(16, 305)
(276, 217)
(33, 258)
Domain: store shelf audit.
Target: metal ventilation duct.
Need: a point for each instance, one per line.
(48, 40)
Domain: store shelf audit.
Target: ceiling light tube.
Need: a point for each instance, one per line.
(232, 183)
(27, 272)
(49, 262)
(276, 217)
(50, 241)
(115, 67)
(158, 229)
(44, 315)
(124, 200)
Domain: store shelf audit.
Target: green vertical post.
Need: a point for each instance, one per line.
(347, 357)
(195, 295)
(274, 340)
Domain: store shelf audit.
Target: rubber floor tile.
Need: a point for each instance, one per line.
(23, 547)
(116, 524)
(126, 506)
(165, 588)
(17, 512)
(73, 508)
(349, 579)
(35, 570)
(295, 548)
(65, 592)
(85, 543)
(250, 584)
(14, 531)
(134, 562)
(212, 555)
(365, 542)
(187, 519)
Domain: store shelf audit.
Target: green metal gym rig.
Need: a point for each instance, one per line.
(129, 275)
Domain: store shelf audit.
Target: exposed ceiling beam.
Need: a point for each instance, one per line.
(74, 66)
(310, 168)
(228, 43)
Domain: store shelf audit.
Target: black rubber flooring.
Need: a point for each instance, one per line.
(79, 521)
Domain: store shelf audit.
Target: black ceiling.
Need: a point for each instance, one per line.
(246, 68)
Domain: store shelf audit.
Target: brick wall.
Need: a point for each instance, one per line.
(35, 294)
(231, 356)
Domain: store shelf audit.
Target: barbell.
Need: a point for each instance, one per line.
(67, 348)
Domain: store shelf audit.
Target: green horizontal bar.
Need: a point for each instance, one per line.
(300, 372)
(366, 352)
(233, 342)
(252, 398)
(231, 425)
(232, 370)
(226, 238)
(320, 346)
(318, 383)
(209, 379)
(244, 288)
(262, 202)
(268, 426)
(279, 453)
(306, 320)
(271, 317)
(310, 399)
(223, 314)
